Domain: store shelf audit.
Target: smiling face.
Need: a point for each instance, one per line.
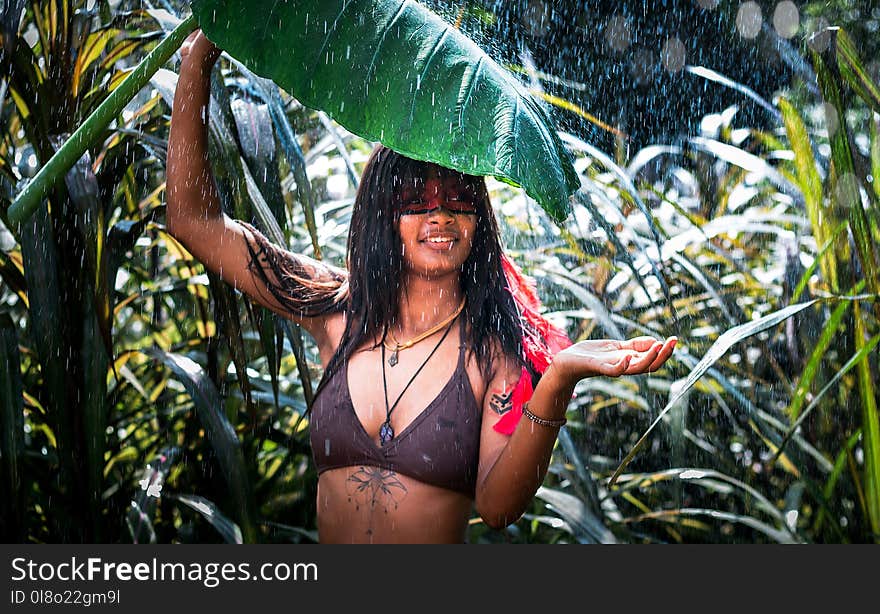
(436, 220)
(396, 208)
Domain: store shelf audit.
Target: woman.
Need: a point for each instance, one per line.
(430, 339)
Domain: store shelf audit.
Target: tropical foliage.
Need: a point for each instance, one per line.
(142, 400)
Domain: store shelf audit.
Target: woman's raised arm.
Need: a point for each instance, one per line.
(295, 286)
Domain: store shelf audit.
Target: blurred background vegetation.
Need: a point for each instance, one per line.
(728, 153)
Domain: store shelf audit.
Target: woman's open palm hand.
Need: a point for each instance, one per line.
(614, 358)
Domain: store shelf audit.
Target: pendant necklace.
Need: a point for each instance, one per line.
(386, 433)
(395, 349)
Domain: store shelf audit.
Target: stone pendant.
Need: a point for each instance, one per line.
(393, 360)
(386, 433)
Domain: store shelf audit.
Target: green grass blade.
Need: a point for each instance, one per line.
(777, 535)
(853, 361)
(96, 343)
(95, 410)
(711, 75)
(703, 279)
(853, 71)
(875, 156)
(846, 188)
(272, 342)
(590, 300)
(698, 476)
(743, 159)
(209, 407)
(587, 527)
(294, 335)
(805, 278)
(47, 336)
(718, 349)
(350, 170)
(870, 425)
(622, 252)
(12, 529)
(829, 333)
(217, 519)
(630, 191)
(840, 463)
(810, 184)
(227, 317)
(289, 145)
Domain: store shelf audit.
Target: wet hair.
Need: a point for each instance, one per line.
(292, 282)
(376, 266)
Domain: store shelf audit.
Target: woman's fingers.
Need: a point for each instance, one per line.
(639, 344)
(618, 367)
(652, 358)
(664, 351)
(644, 359)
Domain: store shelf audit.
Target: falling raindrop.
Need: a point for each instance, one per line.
(642, 66)
(674, 55)
(749, 19)
(819, 40)
(846, 191)
(786, 19)
(832, 121)
(617, 34)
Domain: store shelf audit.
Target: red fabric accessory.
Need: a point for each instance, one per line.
(541, 340)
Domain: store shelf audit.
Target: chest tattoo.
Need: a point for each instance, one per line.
(376, 489)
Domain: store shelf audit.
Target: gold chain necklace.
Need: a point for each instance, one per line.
(395, 349)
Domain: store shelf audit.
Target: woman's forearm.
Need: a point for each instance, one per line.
(191, 192)
(521, 467)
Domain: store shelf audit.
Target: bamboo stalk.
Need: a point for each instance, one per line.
(93, 126)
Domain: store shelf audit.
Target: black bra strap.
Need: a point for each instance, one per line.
(462, 343)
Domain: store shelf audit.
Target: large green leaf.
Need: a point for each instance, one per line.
(393, 71)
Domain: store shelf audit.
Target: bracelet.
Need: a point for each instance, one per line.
(539, 420)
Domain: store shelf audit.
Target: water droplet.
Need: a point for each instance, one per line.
(749, 19)
(786, 19)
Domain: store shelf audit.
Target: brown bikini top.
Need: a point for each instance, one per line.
(439, 447)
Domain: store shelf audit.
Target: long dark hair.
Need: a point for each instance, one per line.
(375, 267)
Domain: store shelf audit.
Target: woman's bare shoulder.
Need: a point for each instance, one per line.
(483, 372)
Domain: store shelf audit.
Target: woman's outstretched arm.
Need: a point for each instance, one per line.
(289, 284)
(513, 467)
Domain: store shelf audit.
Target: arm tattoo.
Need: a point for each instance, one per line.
(502, 402)
(292, 283)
